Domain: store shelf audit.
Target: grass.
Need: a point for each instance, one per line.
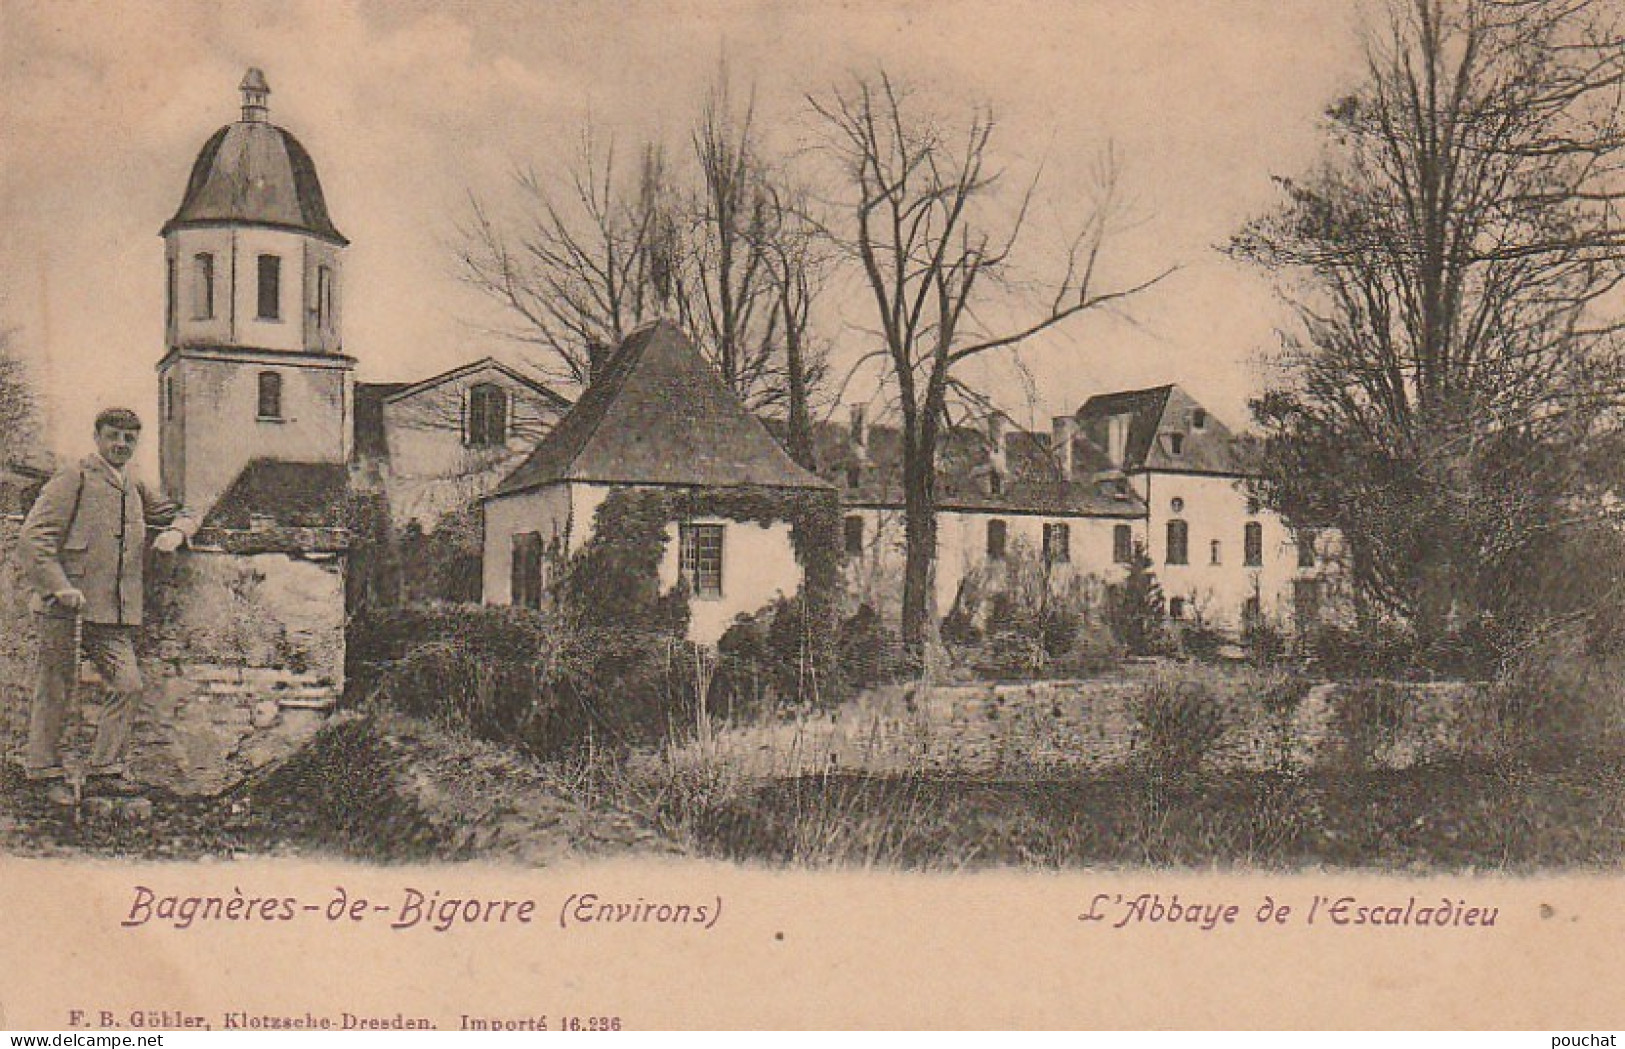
(757, 794)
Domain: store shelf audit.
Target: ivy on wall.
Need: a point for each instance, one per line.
(614, 579)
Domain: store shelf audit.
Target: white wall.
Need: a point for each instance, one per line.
(1215, 508)
(542, 510)
(432, 470)
(876, 577)
(758, 561)
(222, 430)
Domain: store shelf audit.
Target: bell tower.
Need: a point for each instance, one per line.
(254, 365)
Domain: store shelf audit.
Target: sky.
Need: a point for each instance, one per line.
(408, 106)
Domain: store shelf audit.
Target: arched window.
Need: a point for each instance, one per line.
(1179, 541)
(1252, 544)
(270, 395)
(487, 416)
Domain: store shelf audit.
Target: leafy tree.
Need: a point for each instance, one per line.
(1450, 262)
(1134, 606)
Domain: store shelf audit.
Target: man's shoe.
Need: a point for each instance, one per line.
(111, 785)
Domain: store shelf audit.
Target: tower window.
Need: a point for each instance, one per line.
(202, 286)
(1057, 544)
(1179, 539)
(487, 424)
(1122, 544)
(270, 288)
(324, 297)
(1216, 553)
(1252, 544)
(270, 395)
(169, 398)
(702, 558)
(854, 535)
(997, 532)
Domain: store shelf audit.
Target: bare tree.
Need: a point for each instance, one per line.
(723, 252)
(1451, 263)
(582, 267)
(920, 197)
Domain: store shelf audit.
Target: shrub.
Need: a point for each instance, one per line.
(1178, 719)
(1366, 716)
(868, 652)
(1199, 641)
(482, 670)
(1281, 693)
(1134, 607)
(528, 678)
(1558, 696)
(770, 657)
(1264, 644)
(1383, 650)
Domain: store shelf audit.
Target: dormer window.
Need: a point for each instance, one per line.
(1198, 419)
(995, 483)
(1176, 444)
(854, 476)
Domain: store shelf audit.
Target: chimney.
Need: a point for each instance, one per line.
(1117, 439)
(598, 354)
(1063, 429)
(256, 97)
(860, 433)
(998, 465)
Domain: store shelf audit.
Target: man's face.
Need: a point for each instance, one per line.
(116, 444)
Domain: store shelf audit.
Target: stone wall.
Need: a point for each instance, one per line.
(1031, 728)
(243, 655)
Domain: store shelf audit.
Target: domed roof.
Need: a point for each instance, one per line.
(255, 173)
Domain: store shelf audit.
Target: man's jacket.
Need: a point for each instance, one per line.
(88, 531)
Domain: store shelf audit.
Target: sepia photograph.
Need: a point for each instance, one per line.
(575, 516)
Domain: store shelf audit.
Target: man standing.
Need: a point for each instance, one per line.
(82, 547)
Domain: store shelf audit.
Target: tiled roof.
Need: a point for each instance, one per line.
(1033, 481)
(659, 414)
(255, 173)
(286, 495)
(1161, 419)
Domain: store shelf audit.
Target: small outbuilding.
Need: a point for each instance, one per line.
(657, 420)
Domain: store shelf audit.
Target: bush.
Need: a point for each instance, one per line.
(1265, 645)
(1134, 607)
(1384, 650)
(1178, 719)
(527, 678)
(1559, 697)
(1280, 695)
(1201, 642)
(869, 653)
(770, 658)
(482, 670)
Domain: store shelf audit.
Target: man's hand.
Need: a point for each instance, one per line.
(71, 599)
(169, 540)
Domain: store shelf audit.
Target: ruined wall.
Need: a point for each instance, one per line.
(243, 656)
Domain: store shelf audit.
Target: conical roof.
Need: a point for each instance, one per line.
(659, 414)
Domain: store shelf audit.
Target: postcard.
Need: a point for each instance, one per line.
(672, 515)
